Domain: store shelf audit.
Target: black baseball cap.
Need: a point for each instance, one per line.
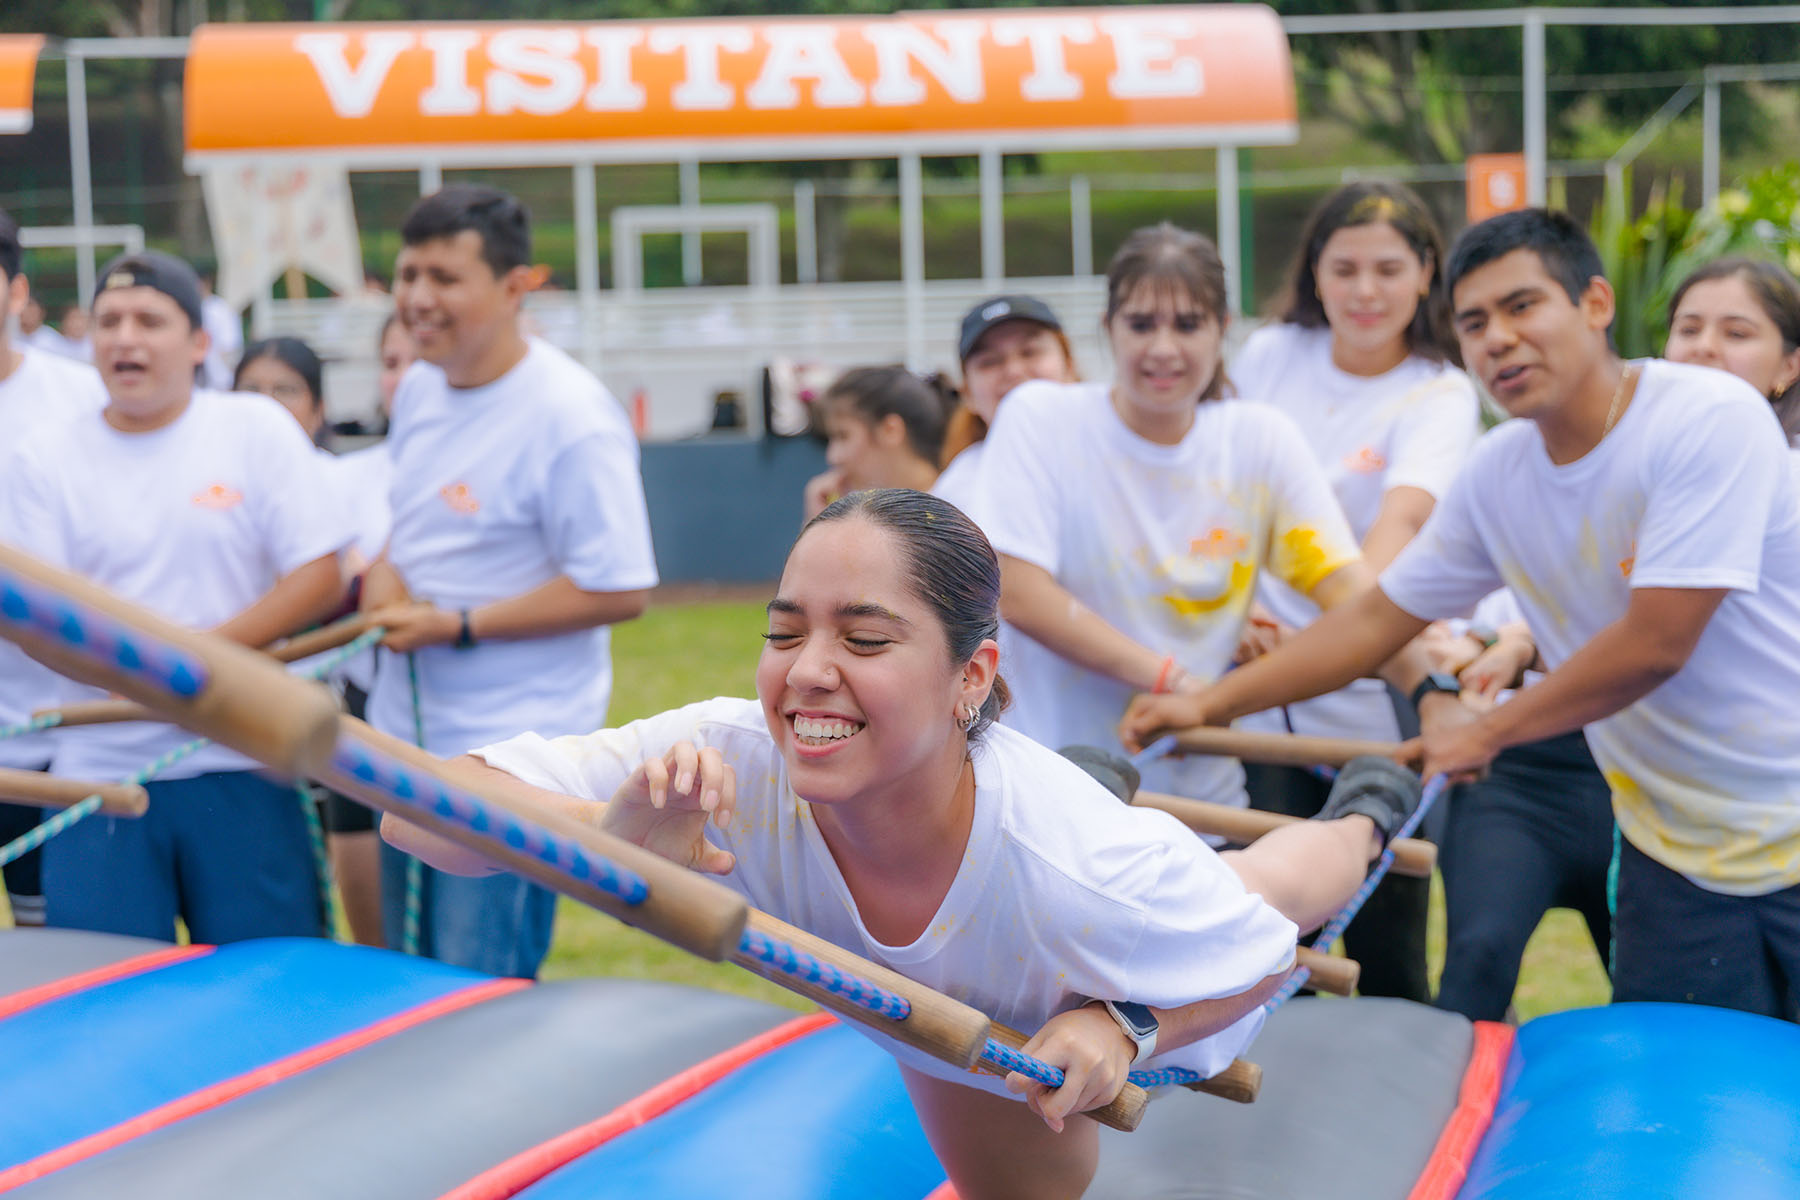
(997, 311)
(154, 269)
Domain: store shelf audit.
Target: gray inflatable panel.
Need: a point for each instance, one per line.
(32, 957)
(1350, 1109)
(424, 1111)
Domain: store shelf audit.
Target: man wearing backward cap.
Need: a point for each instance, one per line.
(209, 509)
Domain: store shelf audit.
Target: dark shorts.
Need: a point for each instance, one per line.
(342, 814)
(24, 875)
(1678, 942)
(228, 853)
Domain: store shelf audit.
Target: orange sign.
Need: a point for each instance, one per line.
(785, 87)
(18, 70)
(1496, 184)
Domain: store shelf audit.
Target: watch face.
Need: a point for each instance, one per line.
(1138, 1016)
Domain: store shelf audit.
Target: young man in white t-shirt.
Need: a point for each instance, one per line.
(1645, 516)
(36, 387)
(519, 534)
(211, 510)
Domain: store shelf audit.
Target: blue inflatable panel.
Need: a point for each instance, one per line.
(1646, 1100)
(84, 1063)
(825, 1116)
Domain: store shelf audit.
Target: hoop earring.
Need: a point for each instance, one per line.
(971, 718)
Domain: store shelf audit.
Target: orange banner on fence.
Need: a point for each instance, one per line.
(786, 87)
(18, 71)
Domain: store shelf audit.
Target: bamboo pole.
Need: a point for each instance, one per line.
(229, 693)
(1412, 856)
(52, 791)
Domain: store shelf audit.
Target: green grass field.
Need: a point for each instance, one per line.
(681, 653)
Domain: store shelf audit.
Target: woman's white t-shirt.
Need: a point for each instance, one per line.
(1166, 543)
(195, 521)
(1409, 427)
(1691, 489)
(1063, 896)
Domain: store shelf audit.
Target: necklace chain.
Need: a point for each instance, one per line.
(1612, 411)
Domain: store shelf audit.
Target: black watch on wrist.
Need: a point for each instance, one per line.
(1437, 681)
(465, 637)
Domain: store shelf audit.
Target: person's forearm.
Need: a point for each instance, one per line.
(1348, 641)
(552, 608)
(1403, 513)
(382, 585)
(299, 600)
(1034, 603)
(1191, 1023)
(1614, 670)
(455, 858)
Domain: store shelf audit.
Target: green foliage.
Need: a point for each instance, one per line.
(1635, 254)
(1646, 258)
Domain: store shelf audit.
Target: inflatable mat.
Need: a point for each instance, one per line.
(298, 1068)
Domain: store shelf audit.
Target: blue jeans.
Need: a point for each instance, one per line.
(499, 924)
(228, 853)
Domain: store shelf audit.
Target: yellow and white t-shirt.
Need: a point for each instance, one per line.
(1167, 543)
(1692, 489)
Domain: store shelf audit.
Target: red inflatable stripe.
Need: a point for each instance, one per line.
(56, 989)
(526, 1168)
(1448, 1166)
(230, 1089)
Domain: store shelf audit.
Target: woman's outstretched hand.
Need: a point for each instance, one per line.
(1095, 1058)
(664, 805)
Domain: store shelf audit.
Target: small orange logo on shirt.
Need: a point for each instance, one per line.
(1365, 461)
(1628, 562)
(218, 497)
(1219, 543)
(460, 499)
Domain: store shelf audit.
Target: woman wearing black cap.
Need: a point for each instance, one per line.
(1004, 341)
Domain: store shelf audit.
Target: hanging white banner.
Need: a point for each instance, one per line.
(266, 220)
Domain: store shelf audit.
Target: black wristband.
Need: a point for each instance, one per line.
(1437, 681)
(465, 637)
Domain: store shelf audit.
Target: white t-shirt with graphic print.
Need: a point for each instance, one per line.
(1063, 896)
(1166, 543)
(1409, 427)
(195, 521)
(1691, 489)
(497, 490)
(44, 387)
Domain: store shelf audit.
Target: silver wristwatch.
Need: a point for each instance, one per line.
(1138, 1023)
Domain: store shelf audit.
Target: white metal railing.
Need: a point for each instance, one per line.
(678, 348)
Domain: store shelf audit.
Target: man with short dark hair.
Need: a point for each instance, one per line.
(520, 534)
(213, 511)
(1646, 518)
(36, 387)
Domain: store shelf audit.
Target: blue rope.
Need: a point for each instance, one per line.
(1162, 747)
(49, 720)
(413, 910)
(34, 838)
(791, 960)
(99, 637)
(315, 835)
(343, 654)
(425, 793)
(1334, 928)
(999, 1054)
